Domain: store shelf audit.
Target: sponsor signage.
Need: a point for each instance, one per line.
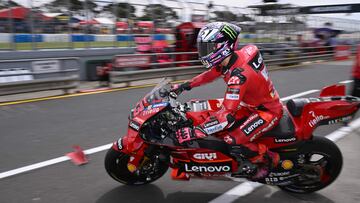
(134, 125)
(131, 61)
(218, 168)
(160, 105)
(316, 119)
(252, 125)
(342, 52)
(340, 8)
(232, 96)
(119, 144)
(342, 119)
(287, 164)
(205, 156)
(285, 140)
(257, 62)
(45, 66)
(211, 123)
(215, 128)
(150, 111)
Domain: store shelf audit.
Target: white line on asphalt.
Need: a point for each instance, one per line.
(298, 95)
(346, 81)
(245, 188)
(239, 191)
(51, 162)
(33, 166)
(97, 149)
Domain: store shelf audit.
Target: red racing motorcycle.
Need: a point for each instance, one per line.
(308, 163)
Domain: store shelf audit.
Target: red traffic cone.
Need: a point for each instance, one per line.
(78, 156)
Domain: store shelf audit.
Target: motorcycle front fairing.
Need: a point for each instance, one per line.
(151, 104)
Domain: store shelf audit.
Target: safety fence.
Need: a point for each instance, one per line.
(33, 24)
(280, 56)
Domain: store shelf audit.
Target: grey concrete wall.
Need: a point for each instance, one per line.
(85, 56)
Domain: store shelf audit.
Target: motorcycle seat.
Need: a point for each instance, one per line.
(284, 129)
(296, 106)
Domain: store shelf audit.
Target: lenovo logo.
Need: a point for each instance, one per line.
(207, 169)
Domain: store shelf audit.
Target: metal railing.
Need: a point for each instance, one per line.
(294, 56)
(29, 75)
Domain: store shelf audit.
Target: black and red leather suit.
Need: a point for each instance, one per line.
(248, 84)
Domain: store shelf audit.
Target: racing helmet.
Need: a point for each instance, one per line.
(216, 41)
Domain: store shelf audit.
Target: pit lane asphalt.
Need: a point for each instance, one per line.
(39, 131)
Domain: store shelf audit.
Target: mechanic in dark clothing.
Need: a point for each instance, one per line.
(356, 75)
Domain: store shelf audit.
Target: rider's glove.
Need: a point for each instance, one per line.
(179, 88)
(187, 134)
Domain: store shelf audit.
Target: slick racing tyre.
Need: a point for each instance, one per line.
(116, 167)
(323, 163)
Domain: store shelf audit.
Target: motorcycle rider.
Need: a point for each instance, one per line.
(248, 84)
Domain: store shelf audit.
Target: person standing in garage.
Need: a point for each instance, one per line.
(356, 74)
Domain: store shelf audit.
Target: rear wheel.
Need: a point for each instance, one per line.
(116, 166)
(322, 165)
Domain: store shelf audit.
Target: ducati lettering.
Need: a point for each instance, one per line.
(264, 129)
(207, 169)
(250, 119)
(257, 63)
(253, 126)
(211, 123)
(205, 156)
(232, 96)
(279, 140)
(134, 125)
(233, 90)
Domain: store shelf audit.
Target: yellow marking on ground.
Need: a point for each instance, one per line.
(78, 94)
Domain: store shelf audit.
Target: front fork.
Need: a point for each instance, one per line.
(135, 147)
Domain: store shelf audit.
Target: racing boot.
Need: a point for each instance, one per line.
(245, 167)
(176, 174)
(265, 162)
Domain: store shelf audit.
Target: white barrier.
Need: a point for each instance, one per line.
(105, 38)
(15, 78)
(170, 37)
(56, 37)
(5, 37)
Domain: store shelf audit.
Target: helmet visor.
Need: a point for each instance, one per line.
(205, 48)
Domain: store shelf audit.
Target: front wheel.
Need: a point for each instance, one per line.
(116, 166)
(322, 165)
